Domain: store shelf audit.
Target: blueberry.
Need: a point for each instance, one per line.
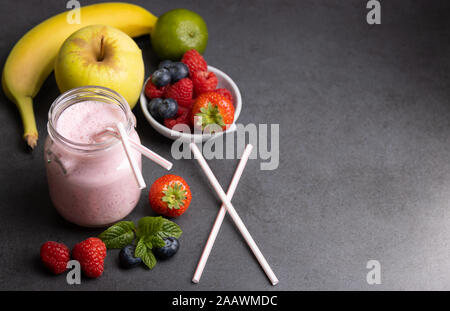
(167, 251)
(165, 64)
(178, 71)
(127, 259)
(153, 107)
(161, 77)
(168, 108)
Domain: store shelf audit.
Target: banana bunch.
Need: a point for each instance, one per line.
(32, 59)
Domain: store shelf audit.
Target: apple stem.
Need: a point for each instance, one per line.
(102, 50)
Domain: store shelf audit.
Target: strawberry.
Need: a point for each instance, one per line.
(195, 62)
(213, 108)
(91, 254)
(183, 117)
(182, 92)
(226, 93)
(170, 196)
(55, 256)
(204, 81)
(152, 91)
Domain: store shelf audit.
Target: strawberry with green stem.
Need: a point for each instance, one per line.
(170, 196)
(212, 108)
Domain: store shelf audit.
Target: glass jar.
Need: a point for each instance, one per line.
(90, 184)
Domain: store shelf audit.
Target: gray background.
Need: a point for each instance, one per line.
(364, 152)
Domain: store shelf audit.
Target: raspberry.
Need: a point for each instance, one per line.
(183, 110)
(55, 256)
(192, 102)
(195, 62)
(91, 254)
(181, 91)
(182, 117)
(152, 91)
(204, 81)
(225, 93)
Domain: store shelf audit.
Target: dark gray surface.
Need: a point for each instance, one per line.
(364, 153)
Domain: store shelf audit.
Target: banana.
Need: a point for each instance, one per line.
(32, 59)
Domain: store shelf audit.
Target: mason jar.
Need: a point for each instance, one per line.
(90, 181)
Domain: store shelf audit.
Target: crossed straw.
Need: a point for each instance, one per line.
(228, 207)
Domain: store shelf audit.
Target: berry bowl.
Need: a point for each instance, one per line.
(224, 82)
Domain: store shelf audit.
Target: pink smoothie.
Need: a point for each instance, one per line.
(94, 188)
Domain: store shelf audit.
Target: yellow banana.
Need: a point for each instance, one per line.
(32, 59)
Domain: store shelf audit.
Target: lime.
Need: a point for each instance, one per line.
(178, 31)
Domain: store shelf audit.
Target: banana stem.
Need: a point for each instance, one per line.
(25, 105)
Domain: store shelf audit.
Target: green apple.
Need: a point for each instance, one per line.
(102, 56)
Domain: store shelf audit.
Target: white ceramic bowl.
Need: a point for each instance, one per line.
(224, 82)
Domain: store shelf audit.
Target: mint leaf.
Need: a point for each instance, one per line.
(145, 253)
(140, 248)
(149, 260)
(118, 235)
(148, 241)
(157, 241)
(169, 229)
(148, 226)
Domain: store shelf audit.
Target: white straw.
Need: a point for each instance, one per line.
(234, 215)
(151, 155)
(221, 215)
(126, 146)
(142, 149)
